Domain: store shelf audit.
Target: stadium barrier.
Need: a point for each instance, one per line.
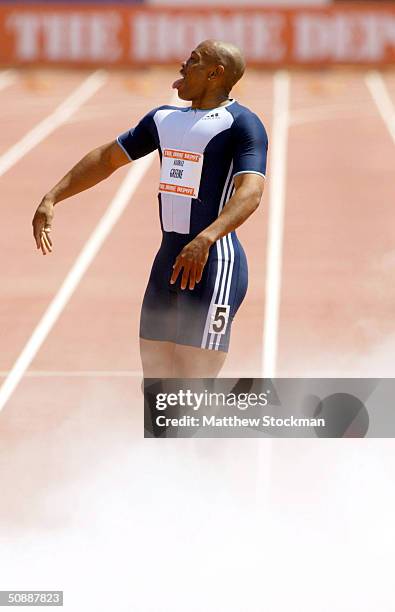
(136, 35)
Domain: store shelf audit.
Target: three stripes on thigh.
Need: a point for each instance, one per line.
(225, 264)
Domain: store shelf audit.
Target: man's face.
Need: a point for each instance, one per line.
(195, 73)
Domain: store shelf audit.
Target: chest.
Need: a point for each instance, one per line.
(192, 131)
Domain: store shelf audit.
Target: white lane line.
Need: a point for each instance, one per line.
(82, 263)
(60, 115)
(84, 259)
(278, 171)
(379, 92)
(105, 374)
(78, 373)
(7, 77)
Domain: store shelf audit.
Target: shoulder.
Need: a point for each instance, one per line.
(245, 120)
(242, 113)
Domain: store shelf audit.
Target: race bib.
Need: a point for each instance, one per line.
(181, 172)
(219, 319)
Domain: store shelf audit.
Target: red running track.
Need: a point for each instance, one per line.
(71, 432)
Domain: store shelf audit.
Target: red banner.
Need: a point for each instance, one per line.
(119, 35)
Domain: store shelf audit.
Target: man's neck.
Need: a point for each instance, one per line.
(210, 101)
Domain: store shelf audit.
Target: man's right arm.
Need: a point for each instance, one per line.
(97, 165)
(93, 168)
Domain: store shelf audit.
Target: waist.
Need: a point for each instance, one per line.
(173, 241)
(176, 241)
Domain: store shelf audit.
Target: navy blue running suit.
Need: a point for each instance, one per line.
(201, 152)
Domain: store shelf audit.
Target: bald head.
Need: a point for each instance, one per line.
(227, 55)
(209, 74)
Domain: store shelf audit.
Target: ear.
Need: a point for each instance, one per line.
(218, 72)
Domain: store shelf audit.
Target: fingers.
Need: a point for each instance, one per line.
(192, 277)
(184, 264)
(185, 274)
(37, 239)
(176, 270)
(199, 272)
(38, 227)
(42, 221)
(43, 239)
(46, 243)
(191, 263)
(48, 235)
(191, 272)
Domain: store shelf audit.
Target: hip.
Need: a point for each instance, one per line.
(226, 269)
(226, 248)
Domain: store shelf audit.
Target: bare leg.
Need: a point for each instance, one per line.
(192, 362)
(157, 358)
(170, 360)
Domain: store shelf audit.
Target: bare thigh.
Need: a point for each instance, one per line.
(157, 358)
(193, 362)
(170, 360)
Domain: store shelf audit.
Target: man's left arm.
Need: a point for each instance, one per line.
(192, 259)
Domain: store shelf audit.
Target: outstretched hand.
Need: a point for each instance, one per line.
(191, 261)
(42, 222)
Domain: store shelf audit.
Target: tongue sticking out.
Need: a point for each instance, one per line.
(177, 83)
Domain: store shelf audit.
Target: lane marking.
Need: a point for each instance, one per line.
(379, 92)
(48, 125)
(78, 373)
(278, 172)
(7, 77)
(105, 374)
(82, 263)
